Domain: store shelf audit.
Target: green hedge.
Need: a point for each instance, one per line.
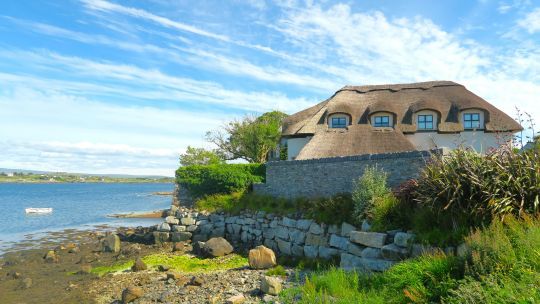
(203, 180)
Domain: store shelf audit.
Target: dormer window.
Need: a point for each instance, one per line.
(425, 122)
(339, 122)
(471, 121)
(381, 121)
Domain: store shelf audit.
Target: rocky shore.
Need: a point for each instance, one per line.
(126, 266)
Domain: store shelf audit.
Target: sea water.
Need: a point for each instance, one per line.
(79, 206)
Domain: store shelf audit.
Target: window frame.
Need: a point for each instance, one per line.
(472, 121)
(378, 121)
(338, 125)
(422, 122)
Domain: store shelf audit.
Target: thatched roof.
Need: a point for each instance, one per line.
(446, 98)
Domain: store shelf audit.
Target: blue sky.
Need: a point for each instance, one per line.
(124, 86)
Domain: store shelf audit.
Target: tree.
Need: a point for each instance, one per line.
(200, 156)
(250, 138)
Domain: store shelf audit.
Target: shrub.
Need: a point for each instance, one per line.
(331, 210)
(202, 180)
(470, 189)
(278, 271)
(370, 186)
(389, 212)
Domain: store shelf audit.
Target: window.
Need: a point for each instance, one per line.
(471, 120)
(339, 122)
(382, 121)
(425, 122)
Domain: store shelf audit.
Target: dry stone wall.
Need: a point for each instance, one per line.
(293, 236)
(329, 176)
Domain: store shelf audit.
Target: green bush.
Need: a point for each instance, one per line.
(470, 188)
(330, 210)
(370, 186)
(389, 212)
(203, 180)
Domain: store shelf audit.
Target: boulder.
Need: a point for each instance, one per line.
(111, 243)
(262, 257)
(51, 257)
(131, 293)
(369, 239)
(217, 247)
(271, 285)
(339, 242)
(178, 228)
(403, 239)
(164, 227)
(187, 221)
(138, 265)
(171, 220)
(284, 247)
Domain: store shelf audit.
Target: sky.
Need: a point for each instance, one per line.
(101, 86)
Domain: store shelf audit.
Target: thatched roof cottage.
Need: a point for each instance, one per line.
(375, 119)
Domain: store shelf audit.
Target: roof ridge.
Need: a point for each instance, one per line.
(400, 86)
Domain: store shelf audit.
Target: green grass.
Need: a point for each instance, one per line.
(182, 263)
(277, 271)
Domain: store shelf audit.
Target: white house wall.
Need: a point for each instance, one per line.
(478, 140)
(294, 145)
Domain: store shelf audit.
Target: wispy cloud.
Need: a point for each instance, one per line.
(531, 22)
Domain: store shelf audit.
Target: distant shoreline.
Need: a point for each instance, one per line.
(87, 182)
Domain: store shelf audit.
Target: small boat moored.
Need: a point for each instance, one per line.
(39, 210)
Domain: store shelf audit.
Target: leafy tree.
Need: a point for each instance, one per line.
(250, 138)
(200, 156)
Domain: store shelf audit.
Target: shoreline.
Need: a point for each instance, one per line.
(140, 214)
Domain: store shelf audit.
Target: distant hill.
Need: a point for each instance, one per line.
(6, 170)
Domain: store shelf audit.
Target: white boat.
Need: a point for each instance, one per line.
(38, 210)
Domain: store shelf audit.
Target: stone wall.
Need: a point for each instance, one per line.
(329, 176)
(296, 237)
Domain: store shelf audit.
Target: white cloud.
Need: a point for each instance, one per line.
(531, 22)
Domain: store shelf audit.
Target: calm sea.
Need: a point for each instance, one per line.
(78, 206)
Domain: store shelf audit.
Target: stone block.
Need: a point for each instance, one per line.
(303, 224)
(270, 244)
(403, 239)
(171, 220)
(316, 240)
(284, 247)
(191, 228)
(296, 236)
(282, 233)
(311, 251)
(160, 237)
(377, 264)
(268, 233)
(327, 253)
(236, 228)
(164, 227)
(370, 239)
(288, 222)
(180, 236)
(346, 229)
(178, 228)
(297, 250)
(371, 253)
(218, 232)
(187, 221)
(339, 242)
(355, 249)
(350, 262)
(316, 228)
(394, 252)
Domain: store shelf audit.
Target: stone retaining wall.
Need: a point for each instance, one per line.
(297, 237)
(329, 176)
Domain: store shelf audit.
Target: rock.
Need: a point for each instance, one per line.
(334, 229)
(131, 293)
(13, 274)
(327, 253)
(377, 264)
(369, 239)
(25, 283)
(297, 250)
(355, 249)
(171, 220)
(197, 281)
(271, 285)
(303, 224)
(111, 243)
(296, 236)
(282, 233)
(262, 257)
(339, 242)
(316, 228)
(74, 250)
(346, 229)
(420, 249)
(311, 251)
(217, 247)
(187, 221)
(365, 226)
(163, 267)
(371, 253)
(316, 240)
(268, 299)
(289, 222)
(180, 236)
(139, 265)
(394, 252)
(403, 239)
(237, 299)
(160, 237)
(351, 262)
(51, 257)
(284, 247)
(164, 227)
(179, 247)
(175, 275)
(178, 228)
